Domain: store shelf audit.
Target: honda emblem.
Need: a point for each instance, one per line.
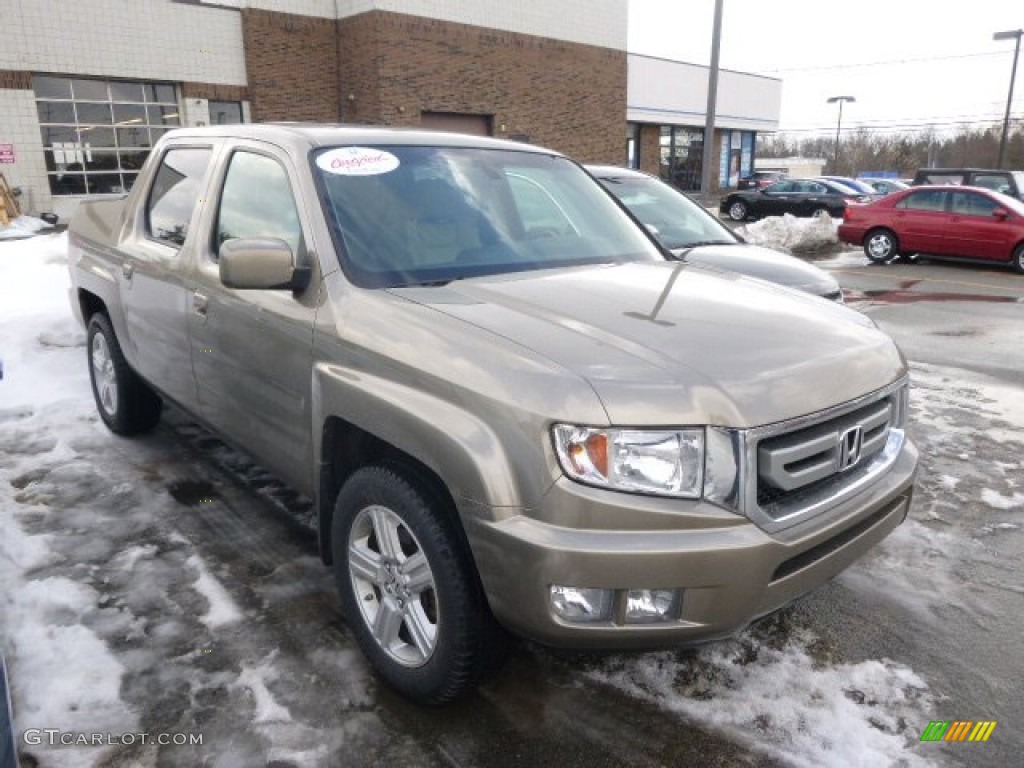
(850, 443)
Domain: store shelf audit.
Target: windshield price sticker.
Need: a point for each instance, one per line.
(357, 161)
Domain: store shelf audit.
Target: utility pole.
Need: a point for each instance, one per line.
(1013, 33)
(709, 121)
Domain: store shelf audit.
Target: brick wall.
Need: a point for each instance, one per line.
(563, 95)
(388, 68)
(650, 148)
(214, 91)
(15, 80)
(291, 63)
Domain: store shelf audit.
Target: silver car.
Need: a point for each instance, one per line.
(694, 235)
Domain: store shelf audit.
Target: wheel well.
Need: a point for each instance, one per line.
(875, 230)
(90, 304)
(346, 448)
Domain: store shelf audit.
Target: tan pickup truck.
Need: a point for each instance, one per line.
(513, 408)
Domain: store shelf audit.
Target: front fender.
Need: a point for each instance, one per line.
(458, 446)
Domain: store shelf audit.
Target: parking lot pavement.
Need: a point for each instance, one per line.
(942, 312)
(169, 585)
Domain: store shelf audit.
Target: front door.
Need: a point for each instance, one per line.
(252, 349)
(973, 231)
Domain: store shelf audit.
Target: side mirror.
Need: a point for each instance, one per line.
(1001, 213)
(253, 263)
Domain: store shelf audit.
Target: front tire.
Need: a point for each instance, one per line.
(408, 586)
(820, 213)
(881, 246)
(1018, 259)
(125, 402)
(738, 211)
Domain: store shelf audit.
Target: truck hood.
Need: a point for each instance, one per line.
(664, 343)
(765, 264)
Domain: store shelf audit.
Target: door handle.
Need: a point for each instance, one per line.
(200, 303)
(127, 269)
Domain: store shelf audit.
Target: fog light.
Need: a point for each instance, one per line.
(581, 604)
(650, 605)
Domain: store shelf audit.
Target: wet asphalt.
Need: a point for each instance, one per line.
(956, 617)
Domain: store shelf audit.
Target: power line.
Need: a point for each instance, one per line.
(858, 65)
(904, 127)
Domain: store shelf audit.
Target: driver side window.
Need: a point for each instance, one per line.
(257, 201)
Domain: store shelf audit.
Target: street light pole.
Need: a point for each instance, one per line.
(1009, 34)
(839, 123)
(708, 154)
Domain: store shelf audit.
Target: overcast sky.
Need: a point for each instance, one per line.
(907, 62)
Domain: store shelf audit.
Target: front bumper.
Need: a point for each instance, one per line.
(731, 572)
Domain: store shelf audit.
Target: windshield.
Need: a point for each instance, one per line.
(672, 217)
(410, 215)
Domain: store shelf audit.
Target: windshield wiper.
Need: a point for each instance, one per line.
(680, 251)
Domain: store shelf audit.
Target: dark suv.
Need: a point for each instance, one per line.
(759, 179)
(1008, 182)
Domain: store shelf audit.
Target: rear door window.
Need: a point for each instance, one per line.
(176, 190)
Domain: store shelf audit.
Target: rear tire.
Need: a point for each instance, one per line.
(738, 211)
(820, 213)
(409, 588)
(881, 246)
(127, 405)
(1018, 259)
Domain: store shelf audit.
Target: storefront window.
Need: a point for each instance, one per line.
(97, 133)
(632, 145)
(682, 151)
(737, 158)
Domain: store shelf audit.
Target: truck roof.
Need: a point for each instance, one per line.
(329, 134)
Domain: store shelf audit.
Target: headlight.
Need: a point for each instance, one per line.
(663, 462)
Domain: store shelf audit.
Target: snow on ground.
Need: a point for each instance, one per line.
(112, 620)
(23, 226)
(792, 234)
(783, 701)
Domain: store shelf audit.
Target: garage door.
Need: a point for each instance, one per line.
(477, 125)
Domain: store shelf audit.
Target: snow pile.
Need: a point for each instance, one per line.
(792, 234)
(773, 694)
(23, 226)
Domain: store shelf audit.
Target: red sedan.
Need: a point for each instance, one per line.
(954, 222)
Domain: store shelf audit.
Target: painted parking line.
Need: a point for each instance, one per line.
(1000, 287)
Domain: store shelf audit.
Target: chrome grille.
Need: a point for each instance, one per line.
(801, 467)
(790, 462)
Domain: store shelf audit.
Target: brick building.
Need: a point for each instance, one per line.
(84, 97)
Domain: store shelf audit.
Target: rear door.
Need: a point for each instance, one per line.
(157, 258)
(252, 349)
(920, 221)
(973, 231)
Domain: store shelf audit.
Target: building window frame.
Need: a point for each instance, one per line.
(97, 132)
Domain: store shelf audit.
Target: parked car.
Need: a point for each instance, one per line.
(859, 186)
(1007, 182)
(694, 235)
(510, 409)
(759, 179)
(945, 221)
(799, 197)
(885, 186)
